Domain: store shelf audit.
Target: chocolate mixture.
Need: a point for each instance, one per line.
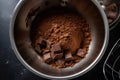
(61, 39)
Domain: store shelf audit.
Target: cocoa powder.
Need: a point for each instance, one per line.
(65, 34)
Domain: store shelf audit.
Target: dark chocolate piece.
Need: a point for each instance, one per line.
(41, 42)
(81, 53)
(56, 48)
(47, 58)
(56, 56)
(68, 56)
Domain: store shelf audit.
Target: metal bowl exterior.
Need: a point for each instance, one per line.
(32, 67)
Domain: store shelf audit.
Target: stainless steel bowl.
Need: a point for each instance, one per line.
(26, 11)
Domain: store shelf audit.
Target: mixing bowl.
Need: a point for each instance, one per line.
(26, 11)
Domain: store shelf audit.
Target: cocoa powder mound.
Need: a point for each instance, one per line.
(62, 39)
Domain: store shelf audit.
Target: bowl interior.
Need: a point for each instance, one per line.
(21, 35)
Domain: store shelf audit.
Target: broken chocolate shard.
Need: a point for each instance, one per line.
(41, 42)
(56, 48)
(47, 58)
(56, 56)
(68, 56)
(81, 53)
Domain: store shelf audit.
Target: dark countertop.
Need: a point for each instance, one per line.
(12, 69)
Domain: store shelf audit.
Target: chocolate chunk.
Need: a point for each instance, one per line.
(81, 53)
(56, 48)
(47, 58)
(68, 56)
(56, 56)
(41, 42)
